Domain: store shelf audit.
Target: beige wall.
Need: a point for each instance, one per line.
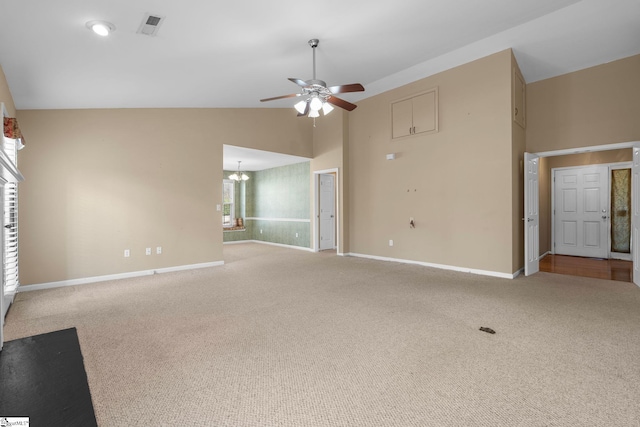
(595, 106)
(456, 184)
(5, 95)
(102, 181)
(545, 171)
(517, 180)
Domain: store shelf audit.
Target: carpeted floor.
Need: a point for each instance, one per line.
(281, 337)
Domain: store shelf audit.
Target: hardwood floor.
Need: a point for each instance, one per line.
(611, 269)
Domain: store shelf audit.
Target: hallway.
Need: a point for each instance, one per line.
(610, 269)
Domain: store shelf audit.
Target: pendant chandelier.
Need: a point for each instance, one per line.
(239, 176)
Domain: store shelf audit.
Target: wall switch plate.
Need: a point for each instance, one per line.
(159, 250)
(296, 234)
(218, 207)
(147, 251)
(261, 231)
(390, 242)
(127, 253)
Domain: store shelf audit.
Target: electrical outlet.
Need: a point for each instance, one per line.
(390, 242)
(218, 208)
(147, 251)
(159, 250)
(127, 253)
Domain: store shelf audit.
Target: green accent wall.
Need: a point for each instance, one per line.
(278, 197)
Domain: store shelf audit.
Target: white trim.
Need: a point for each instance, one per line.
(441, 266)
(517, 273)
(606, 147)
(95, 279)
(282, 245)
(253, 218)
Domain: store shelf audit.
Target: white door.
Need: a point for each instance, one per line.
(532, 216)
(327, 212)
(635, 215)
(581, 212)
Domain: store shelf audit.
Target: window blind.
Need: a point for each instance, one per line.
(11, 279)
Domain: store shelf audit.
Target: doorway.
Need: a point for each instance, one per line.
(326, 230)
(327, 214)
(535, 178)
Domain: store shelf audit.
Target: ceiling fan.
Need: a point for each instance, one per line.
(317, 95)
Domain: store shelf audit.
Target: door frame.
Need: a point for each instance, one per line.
(580, 150)
(316, 208)
(610, 167)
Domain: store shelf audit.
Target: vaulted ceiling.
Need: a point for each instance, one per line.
(231, 54)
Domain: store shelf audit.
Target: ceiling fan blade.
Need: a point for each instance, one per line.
(292, 95)
(306, 110)
(353, 87)
(334, 100)
(299, 82)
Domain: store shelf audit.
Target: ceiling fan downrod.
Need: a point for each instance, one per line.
(314, 43)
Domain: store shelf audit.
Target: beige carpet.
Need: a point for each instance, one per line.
(281, 337)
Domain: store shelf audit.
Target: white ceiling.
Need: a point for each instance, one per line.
(231, 54)
(255, 160)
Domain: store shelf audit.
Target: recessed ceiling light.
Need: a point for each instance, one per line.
(101, 28)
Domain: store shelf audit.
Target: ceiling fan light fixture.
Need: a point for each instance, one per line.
(315, 104)
(317, 93)
(327, 108)
(102, 28)
(301, 106)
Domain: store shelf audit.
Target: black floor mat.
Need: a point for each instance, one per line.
(43, 378)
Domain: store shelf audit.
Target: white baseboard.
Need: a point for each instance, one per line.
(95, 279)
(440, 266)
(282, 245)
(517, 273)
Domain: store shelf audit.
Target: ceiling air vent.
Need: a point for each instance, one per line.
(150, 24)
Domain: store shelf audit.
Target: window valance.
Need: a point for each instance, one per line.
(12, 130)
